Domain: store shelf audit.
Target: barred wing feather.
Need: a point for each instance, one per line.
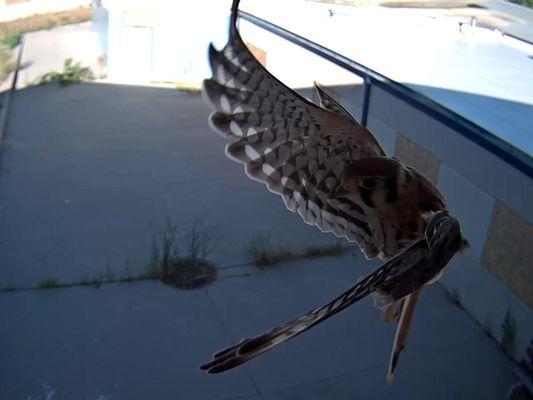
(298, 149)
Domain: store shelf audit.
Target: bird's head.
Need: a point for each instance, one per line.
(372, 180)
(443, 235)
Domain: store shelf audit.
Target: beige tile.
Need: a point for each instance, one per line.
(508, 252)
(418, 157)
(258, 53)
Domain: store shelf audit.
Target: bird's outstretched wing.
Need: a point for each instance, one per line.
(298, 149)
(400, 272)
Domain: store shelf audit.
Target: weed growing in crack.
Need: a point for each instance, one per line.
(196, 242)
(333, 250)
(508, 327)
(262, 252)
(164, 250)
(181, 265)
(48, 283)
(108, 272)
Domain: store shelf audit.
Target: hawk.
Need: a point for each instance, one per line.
(332, 172)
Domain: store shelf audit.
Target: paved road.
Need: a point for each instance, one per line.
(92, 171)
(87, 173)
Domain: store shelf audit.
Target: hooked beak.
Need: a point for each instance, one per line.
(340, 191)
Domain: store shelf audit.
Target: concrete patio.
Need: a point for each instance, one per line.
(88, 173)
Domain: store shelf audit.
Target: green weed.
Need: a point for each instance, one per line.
(12, 40)
(180, 264)
(7, 64)
(73, 72)
(508, 327)
(48, 283)
(261, 251)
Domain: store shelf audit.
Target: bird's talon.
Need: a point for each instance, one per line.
(392, 312)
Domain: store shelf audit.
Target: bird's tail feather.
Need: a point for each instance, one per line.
(253, 347)
(400, 339)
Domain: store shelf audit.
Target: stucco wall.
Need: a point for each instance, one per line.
(163, 41)
(493, 202)
(493, 278)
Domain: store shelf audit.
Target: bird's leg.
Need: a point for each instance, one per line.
(392, 311)
(409, 303)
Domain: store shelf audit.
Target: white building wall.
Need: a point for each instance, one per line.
(171, 46)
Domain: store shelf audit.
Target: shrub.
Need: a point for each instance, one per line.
(12, 40)
(73, 72)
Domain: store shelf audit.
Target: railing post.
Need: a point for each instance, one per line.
(366, 100)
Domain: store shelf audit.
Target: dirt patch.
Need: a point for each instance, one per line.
(183, 274)
(45, 21)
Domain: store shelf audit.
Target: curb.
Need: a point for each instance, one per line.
(4, 111)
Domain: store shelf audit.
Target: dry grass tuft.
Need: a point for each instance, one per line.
(37, 22)
(7, 63)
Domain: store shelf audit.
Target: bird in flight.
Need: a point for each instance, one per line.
(332, 172)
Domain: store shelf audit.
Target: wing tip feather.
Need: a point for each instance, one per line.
(212, 54)
(212, 91)
(220, 123)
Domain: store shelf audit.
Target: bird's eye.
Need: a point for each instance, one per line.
(369, 182)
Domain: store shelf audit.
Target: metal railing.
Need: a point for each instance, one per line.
(484, 138)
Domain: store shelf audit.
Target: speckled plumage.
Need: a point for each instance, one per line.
(332, 172)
